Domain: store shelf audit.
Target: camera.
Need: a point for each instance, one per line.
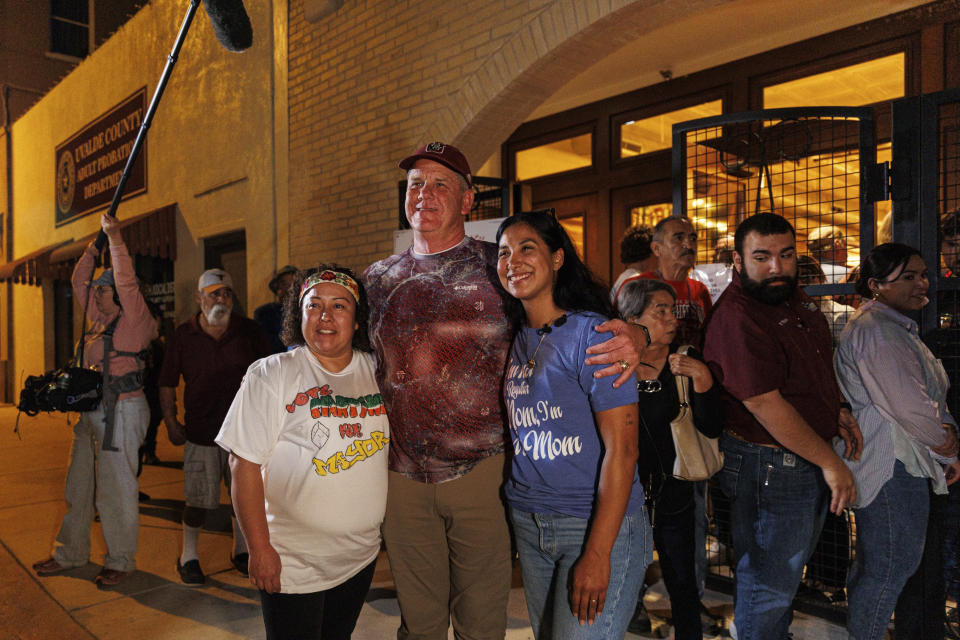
(66, 389)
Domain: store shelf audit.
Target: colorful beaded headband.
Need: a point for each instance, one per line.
(335, 277)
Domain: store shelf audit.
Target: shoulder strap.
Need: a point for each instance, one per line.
(683, 382)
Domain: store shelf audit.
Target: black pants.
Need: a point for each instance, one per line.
(326, 615)
(674, 538)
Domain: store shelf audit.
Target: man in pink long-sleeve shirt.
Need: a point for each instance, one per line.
(103, 460)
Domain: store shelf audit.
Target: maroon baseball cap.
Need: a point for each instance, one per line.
(445, 154)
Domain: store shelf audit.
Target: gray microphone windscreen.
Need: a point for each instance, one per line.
(230, 23)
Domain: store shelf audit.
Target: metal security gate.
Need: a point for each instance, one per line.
(822, 169)
(926, 207)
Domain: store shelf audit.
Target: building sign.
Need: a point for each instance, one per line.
(90, 163)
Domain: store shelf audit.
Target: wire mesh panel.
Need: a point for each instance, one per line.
(806, 165)
(813, 167)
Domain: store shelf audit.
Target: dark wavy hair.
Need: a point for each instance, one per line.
(883, 260)
(576, 288)
(635, 244)
(292, 334)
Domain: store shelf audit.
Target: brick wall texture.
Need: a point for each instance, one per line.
(376, 79)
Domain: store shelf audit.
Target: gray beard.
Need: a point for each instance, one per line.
(218, 316)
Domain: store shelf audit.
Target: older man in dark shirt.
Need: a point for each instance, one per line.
(770, 348)
(211, 352)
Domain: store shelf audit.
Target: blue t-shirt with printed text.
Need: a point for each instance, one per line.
(557, 447)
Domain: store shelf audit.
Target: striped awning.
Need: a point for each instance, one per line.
(29, 269)
(150, 234)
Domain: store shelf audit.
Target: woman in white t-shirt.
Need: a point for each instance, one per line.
(307, 435)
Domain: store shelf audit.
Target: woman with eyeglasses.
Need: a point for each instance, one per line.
(573, 493)
(647, 306)
(897, 390)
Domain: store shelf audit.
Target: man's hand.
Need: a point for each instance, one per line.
(850, 432)
(589, 578)
(175, 431)
(619, 349)
(264, 568)
(949, 448)
(111, 227)
(843, 488)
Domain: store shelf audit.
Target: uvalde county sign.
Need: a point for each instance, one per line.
(90, 163)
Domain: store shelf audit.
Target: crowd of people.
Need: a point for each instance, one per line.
(464, 401)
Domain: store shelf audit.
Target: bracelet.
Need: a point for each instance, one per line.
(846, 405)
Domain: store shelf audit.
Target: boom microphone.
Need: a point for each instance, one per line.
(230, 23)
(232, 27)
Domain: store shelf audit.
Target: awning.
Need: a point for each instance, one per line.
(29, 269)
(150, 234)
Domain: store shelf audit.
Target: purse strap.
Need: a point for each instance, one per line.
(683, 383)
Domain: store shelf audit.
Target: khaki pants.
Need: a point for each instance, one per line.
(107, 479)
(449, 551)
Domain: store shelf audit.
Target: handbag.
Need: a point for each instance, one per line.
(698, 457)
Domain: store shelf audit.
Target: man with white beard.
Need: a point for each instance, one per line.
(212, 351)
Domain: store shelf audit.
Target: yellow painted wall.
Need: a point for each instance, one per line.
(215, 124)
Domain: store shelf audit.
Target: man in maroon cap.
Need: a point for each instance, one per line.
(440, 332)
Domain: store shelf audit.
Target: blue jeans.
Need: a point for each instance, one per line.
(549, 544)
(890, 534)
(778, 502)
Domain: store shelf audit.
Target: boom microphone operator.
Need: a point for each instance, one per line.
(230, 23)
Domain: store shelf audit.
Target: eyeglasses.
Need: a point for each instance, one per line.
(643, 327)
(649, 386)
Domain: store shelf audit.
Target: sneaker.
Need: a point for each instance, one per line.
(240, 562)
(640, 622)
(190, 573)
(109, 578)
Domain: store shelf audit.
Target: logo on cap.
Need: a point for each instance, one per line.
(435, 147)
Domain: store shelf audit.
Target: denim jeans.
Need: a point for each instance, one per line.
(890, 534)
(549, 544)
(778, 502)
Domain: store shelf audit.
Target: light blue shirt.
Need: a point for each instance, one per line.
(897, 389)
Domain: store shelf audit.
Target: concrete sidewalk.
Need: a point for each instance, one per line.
(152, 603)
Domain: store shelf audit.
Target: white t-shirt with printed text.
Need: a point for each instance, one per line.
(321, 440)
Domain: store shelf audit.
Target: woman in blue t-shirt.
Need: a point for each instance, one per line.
(574, 496)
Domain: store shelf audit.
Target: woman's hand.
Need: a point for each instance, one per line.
(849, 430)
(111, 228)
(949, 447)
(952, 472)
(264, 568)
(694, 369)
(588, 585)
